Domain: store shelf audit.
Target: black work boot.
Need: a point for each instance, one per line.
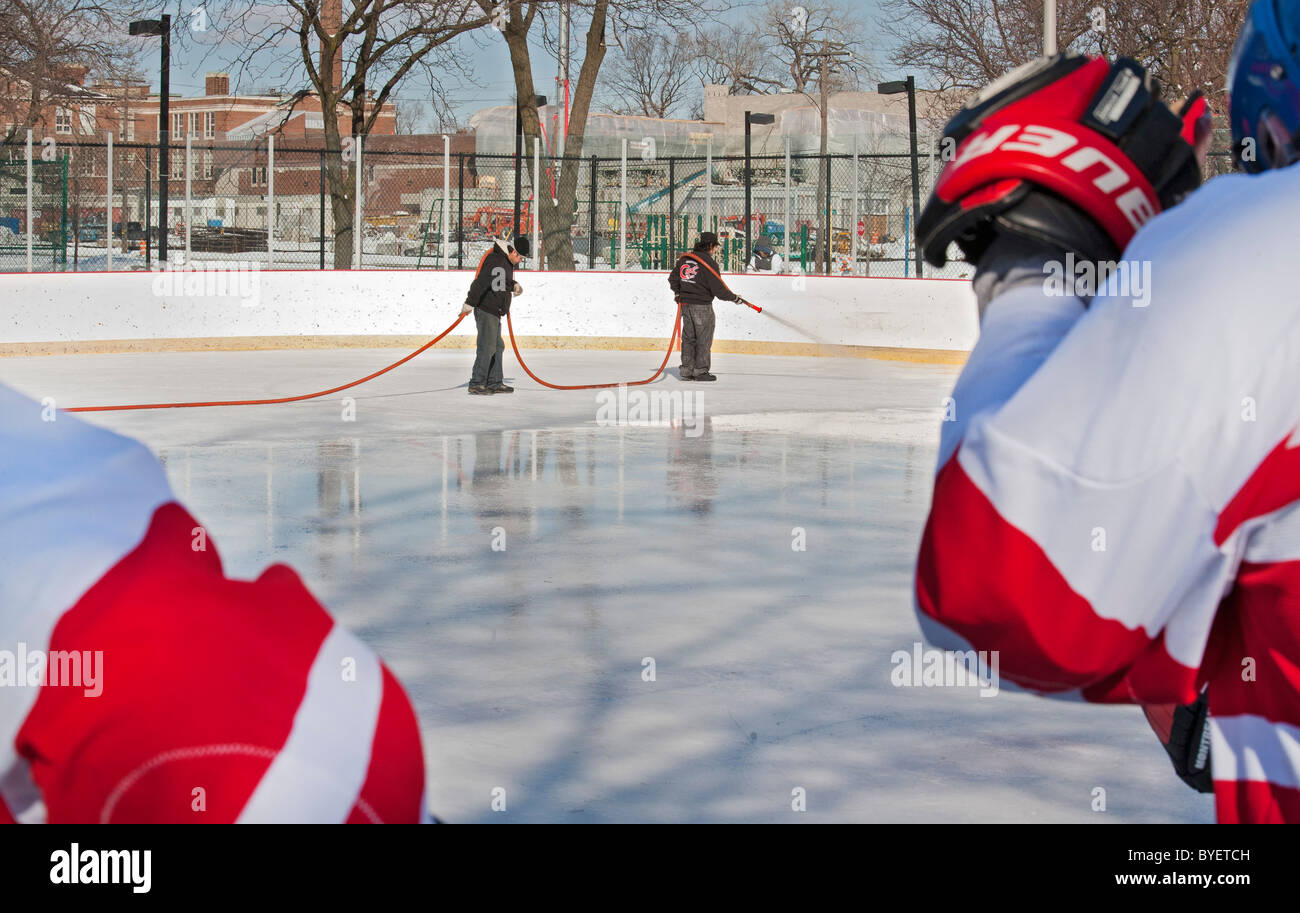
(705, 377)
(479, 390)
(501, 388)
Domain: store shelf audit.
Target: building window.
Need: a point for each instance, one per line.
(207, 163)
(178, 126)
(62, 120)
(210, 125)
(259, 174)
(194, 123)
(177, 162)
(126, 129)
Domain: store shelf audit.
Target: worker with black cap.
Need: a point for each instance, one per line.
(696, 281)
(489, 296)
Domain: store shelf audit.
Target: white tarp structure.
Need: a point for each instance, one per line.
(648, 137)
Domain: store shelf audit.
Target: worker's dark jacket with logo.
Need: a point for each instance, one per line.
(491, 288)
(696, 279)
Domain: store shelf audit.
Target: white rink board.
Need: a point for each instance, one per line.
(87, 307)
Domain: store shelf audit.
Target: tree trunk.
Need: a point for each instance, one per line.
(556, 214)
(340, 178)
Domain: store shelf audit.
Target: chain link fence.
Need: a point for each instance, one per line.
(434, 202)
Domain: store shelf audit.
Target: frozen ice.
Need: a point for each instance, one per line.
(668, 539)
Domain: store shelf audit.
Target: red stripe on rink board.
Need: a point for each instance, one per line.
(394, 786)
(1274, 484)
(202, 677)
(1255, 802)
(994, 586)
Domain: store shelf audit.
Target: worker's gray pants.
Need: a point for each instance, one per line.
(697, 339)
(487, 361)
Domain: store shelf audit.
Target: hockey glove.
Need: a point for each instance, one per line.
(1183, 730)
(1068, 152)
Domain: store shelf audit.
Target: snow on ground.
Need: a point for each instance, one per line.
(618, 544)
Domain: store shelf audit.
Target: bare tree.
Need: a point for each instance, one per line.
(966, 44)
(40, 42)
(353, 55)
(517, 19)
(410, 115)
(822, 47)
(652, 76)
(801, 35)
(737, 56)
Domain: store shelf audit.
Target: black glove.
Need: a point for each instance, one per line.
(1184, 731)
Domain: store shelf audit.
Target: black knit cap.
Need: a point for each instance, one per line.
(521, 246)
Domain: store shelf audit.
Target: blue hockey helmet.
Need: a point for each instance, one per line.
(1264, 87)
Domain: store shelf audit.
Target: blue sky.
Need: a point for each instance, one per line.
(198, 53)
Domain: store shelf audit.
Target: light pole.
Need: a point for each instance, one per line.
(162, 27)
(909, 86)
(519, 154)
(761, 120)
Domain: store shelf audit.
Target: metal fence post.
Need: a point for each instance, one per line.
(788, 230)
(446, 193)
(591, 214)
(622, 211)
(537, 202)
(460, 215)
(148, 207)
(708, 184)
(322, 209)
(189, 199)
(270, 201)
(830, 223)
(853, 225)
(356, 215)
(672, 210)
(108, 209)
(30, 227)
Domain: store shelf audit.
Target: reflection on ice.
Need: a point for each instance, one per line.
(517, 562)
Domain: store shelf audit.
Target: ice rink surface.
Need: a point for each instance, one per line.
(518, 560)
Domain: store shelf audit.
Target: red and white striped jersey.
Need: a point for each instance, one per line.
(1117, 505)
(139, 683)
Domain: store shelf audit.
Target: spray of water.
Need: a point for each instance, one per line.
(798, 329)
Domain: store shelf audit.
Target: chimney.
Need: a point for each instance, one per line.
(217, 84)
(715, 103)
(331, 20)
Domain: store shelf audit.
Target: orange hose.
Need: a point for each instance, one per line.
(282, 399)
(677, 326)
(428, 345)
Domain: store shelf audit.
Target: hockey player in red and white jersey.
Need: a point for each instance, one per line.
(1117, 503)
(138, 683)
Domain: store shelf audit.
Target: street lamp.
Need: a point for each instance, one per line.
(519, 164)
(162, 27)
(762, 120)
(909, 86)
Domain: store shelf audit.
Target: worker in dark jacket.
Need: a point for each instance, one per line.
(489, 296)
(696, 281)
